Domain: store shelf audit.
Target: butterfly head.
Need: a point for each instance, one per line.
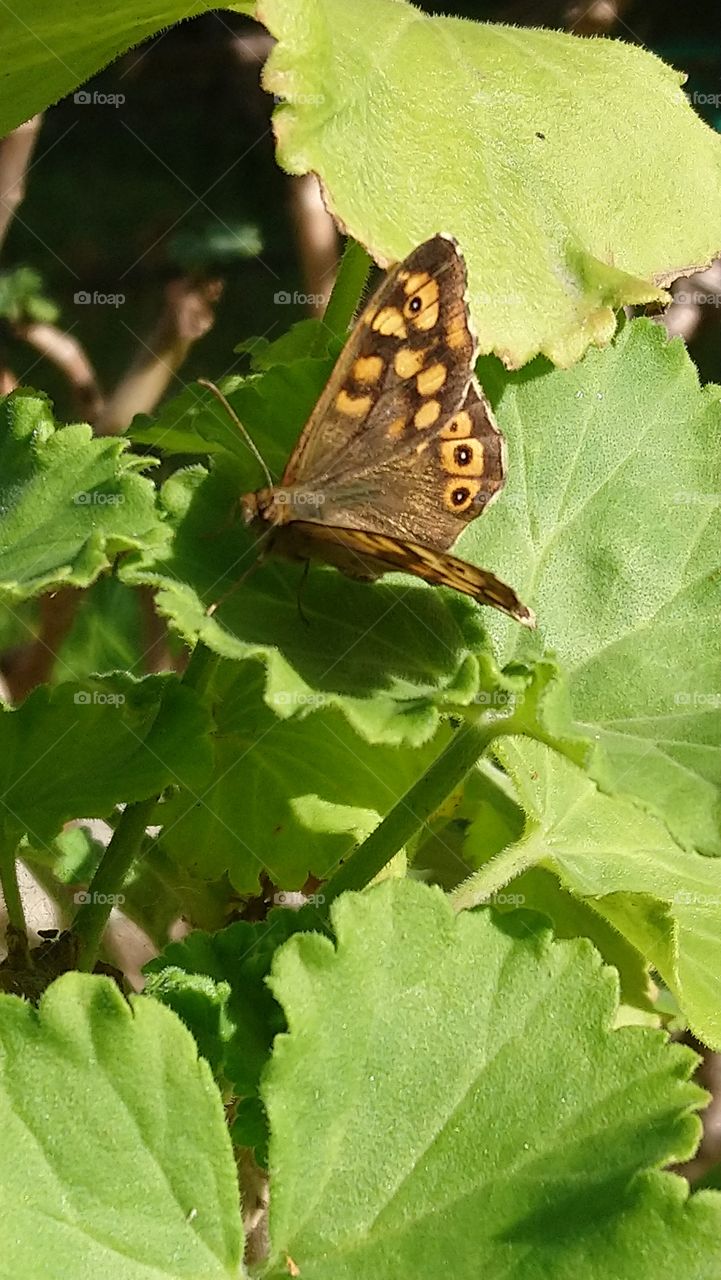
(265, 504)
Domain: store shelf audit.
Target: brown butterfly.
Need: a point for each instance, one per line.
(401, 450)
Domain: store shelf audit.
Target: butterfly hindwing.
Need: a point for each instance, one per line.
(360, 553)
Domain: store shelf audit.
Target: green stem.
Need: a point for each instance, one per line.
(414, 809)
(10, 887)
(103, 890)
(126, 842)
(491, 878)
(352, 275)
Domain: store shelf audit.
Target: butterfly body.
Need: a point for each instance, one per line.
(402, 449)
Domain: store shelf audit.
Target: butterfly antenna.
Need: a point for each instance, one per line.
(205, 382)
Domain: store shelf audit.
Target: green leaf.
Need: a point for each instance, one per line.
(307, 787)
(23, 298)
(234, 1016)
(115, 1159)
(623, 863)
(106, 635)
(610, 526)
(48, 52)
(68, 502)
(79, 750)
(433, 1072)
(518, 142)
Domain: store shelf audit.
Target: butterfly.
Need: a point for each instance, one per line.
(402, 449)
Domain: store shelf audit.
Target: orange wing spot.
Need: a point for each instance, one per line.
(463, 457)
(396, 428)
(368, 369)
(390, 323)
(459, 494)
(459, 425)
(416, 281)
(408, 363)
(427, 414)
(431, 379)
(457, 335)
(422, 307)
(354, 406)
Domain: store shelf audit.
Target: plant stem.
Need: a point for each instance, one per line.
(496, 873)
(414, 809)
(353, 272)
(10, 886)
(109, 878)
(126, 842)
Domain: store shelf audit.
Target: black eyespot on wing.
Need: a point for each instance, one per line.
(462, 455)
(460, 495)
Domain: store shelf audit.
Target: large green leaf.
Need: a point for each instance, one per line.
(610, 526)
(519, 142)
(47, 51)
(452, 1090)
(288, 797)
(115, 1158)
(624, 864)
(68, 502)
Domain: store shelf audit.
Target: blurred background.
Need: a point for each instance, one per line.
(155, 219)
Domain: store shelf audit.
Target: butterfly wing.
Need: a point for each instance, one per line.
(426, 490)
(407, 363)
(363, 554)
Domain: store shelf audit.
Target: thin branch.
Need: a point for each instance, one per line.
(15, 152)
(188, 315)
(73, 362)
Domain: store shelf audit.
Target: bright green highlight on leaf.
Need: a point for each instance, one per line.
(465, 1072)
(521, 143)
(624, 864)
(115, 1159)
(610, 527)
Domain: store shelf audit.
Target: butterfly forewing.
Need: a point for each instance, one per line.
(405, 368)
